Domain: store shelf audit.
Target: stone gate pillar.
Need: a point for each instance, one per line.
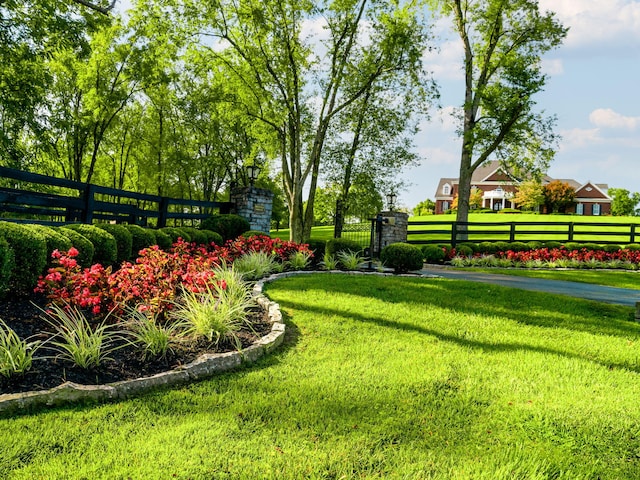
(253, 204)
(393, 229)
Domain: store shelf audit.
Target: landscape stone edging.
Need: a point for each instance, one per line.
(206, 365)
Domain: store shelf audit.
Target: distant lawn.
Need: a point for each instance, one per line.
(317, 233)
(400, 378)
(610, 278)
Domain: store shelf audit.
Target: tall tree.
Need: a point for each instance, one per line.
(558, 196)
(624, 202)
(530, 195)
(503, 42)
(297, 87)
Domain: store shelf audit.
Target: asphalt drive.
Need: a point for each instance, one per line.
(599, 293)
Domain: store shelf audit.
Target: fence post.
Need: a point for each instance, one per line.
(512, 232)
(632, 233)
(88, 204)
(163, 209)
(570, 233)
(454, 234)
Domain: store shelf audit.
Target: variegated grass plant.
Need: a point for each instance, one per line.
(16, 354)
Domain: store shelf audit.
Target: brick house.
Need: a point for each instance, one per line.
(499, 187)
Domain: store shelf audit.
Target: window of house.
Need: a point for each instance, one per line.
(446, 189)
(445, 206)
(596, 209)
(497, 206)
(580, 209)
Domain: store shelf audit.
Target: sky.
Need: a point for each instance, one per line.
(593, 89)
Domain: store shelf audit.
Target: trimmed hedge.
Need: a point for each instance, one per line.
(197, 236)
(105, 246)
(433, 254)
(213, 237)
(162, 239)
(141, 238)
(124, 240)
(30, 254)
(7, 262)
(81, 243)
(172, 232)
(230, 226)
(402, 257)
(253, 233)
(337, 245)
(55, 240)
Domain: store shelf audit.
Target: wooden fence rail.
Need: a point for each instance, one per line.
(451, 232)
(36, 198)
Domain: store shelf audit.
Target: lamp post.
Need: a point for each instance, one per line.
(252, 172)
(391, 200)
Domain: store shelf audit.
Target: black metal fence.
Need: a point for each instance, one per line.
(434, 232)
(36, 198)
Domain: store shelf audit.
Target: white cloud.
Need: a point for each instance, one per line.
(607, 118)
(598, 22)
(446, 62)
(579, 138)
(552, 66)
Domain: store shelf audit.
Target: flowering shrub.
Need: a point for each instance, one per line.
(583, 257)
(155, 279)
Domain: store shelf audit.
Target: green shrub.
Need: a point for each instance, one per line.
(336, 245)
(502, 246)
(124, 240)
(197, 236)
(446, 248)
(611, 248)
(105, 247)
(471, 245)
(592, 247)
(213, 237)
(30, 254)
(162, 239)
(552, 244)
(464, 250)
(7, 262)
(509, 210)
(402, 257)
(55, 240)
(141, 238)
(318, 247)
(230, 226)
(534, 245)
(172, 232)
(518, 247)
(487, 248)
(80, 243)
(571, 246)
(632, 246)
(433, 254)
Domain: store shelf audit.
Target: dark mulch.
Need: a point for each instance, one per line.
(25, 318)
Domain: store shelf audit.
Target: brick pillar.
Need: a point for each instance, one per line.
(255, 205)
(394, 228)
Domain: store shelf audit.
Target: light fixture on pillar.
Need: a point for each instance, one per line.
(391, 200)
(252, 172)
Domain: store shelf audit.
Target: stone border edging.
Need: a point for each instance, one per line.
(206, 365)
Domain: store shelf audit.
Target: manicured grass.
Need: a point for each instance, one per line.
(610, 278)
(317, 233)
(379, 378)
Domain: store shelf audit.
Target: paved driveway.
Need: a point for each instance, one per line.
(599, 293)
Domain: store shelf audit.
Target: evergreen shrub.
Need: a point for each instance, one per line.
(7, 263)
(337, 245)
(140, 238)
(81, 243)
(230, 226)
(55, 240)
(433, 254)
(124, 240)
(213, 237)
(162, 239)
(104, 244)
(402, 257)
(30, 255)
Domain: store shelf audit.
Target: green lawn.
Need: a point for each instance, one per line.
(389, 377)
(610, 278)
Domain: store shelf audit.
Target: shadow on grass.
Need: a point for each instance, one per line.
(526, 307)
(464, 342)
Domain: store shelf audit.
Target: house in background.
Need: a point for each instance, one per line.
(499, 188)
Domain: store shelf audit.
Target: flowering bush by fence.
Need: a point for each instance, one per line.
(156, 277)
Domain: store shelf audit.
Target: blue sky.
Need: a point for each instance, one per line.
(593, 89)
